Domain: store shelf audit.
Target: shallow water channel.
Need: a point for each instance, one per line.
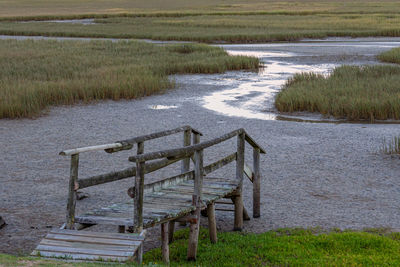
(251, 95)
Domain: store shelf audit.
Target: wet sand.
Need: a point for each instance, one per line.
(325, 174)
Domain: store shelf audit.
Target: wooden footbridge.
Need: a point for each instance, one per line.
(180, 198)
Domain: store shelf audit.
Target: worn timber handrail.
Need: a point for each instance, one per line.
(190, 150)
(128, 143)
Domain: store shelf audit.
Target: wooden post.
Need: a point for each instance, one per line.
(139, 186)
(164, 243)
(212, 224)
(171, 229)
(196, 201)
(256, 183)
(73, 178)
(238, 221)
(186, 142)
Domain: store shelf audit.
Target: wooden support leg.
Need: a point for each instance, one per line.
(246, 216)
(212, 224)
(164, 243)
(139, 256)
(121, 228)
(238, 224)
(194, 236)
(171, 229)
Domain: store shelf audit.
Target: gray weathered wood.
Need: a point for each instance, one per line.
(89, 148)
(212, 224)
(197, 198)
(167, 182)
(238, 220)
(114, 236)
(72, 193)
(188, 151)
(248, 172)
(240, 159)
(171, 230)
(139, 193)
(256, 183)
(126, 173)
(164, 243)
(186, 142)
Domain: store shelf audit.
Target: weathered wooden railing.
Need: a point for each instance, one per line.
(75, 183)
(149, 162)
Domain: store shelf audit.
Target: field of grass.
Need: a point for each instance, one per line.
(37, 74)
(59, 8)
(233, 21)
(350, 92)
(284, 247)
(218, 28)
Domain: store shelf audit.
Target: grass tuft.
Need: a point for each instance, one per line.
(350, 92)
(392, 146)
(37, 74)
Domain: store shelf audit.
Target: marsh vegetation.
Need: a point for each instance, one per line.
(37, 74)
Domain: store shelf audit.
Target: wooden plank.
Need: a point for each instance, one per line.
(139, 193)
(186, 151)
(70, 256)
(72, 193)
(133, 237)
(164, 243)
(219, 164)
(256, 183)
(61, 243)
(75, 151)
(186, 142)
(159, 134)
(253, 143)
(89, 251)
(85, 239)
(212, 224)
(103, 220)
(248, 172)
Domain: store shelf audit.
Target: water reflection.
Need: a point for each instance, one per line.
(251, 95)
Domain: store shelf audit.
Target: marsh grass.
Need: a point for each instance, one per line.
(215, 28)
(37, 74)
(392, 146)
(391, 56)
(350, 92)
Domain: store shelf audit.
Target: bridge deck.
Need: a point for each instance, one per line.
(160, 206)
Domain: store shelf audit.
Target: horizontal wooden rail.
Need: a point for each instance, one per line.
(74, 151)
(189, 150)
(128, 143)
(156, 135)
(119, 175)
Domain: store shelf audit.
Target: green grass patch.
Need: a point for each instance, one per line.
(283, 247)
(350, 92)
(391, 56)
(37, 74)
(287, 247)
